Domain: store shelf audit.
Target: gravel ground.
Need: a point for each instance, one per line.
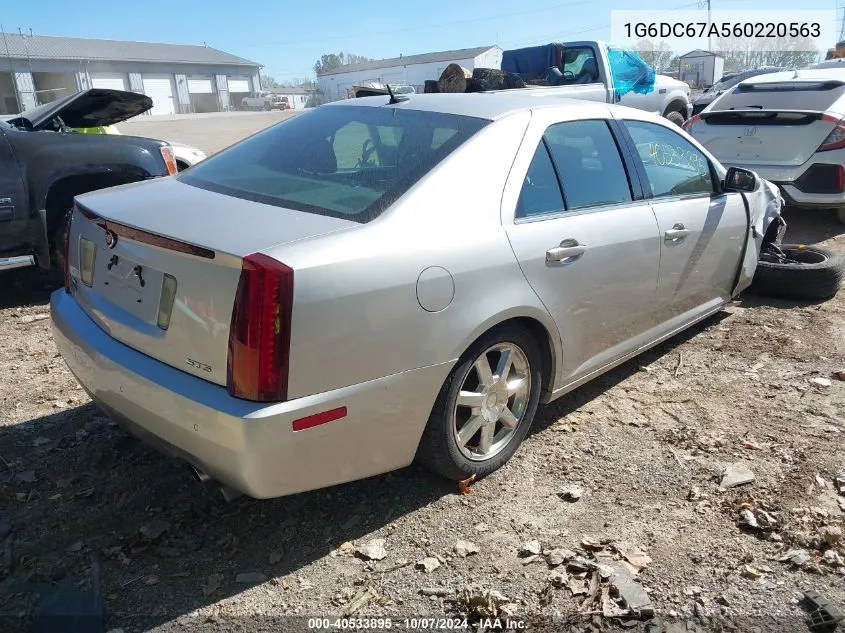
(626, 467)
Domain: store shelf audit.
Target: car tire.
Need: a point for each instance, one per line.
(818, 275)
(675, 117)
(840, 213)
(441, 448)
(57, 250)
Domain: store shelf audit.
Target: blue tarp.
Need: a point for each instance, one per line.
(532, 61)
(630, 71)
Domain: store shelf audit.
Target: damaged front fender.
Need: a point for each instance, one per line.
(764, 206)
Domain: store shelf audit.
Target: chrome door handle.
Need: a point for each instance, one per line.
(676, 233)
(568, 248)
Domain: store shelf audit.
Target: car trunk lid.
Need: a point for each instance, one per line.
(764, 137)
(177, 240)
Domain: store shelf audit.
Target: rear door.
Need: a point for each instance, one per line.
(13, 200)
(702, 231)
(586, 241)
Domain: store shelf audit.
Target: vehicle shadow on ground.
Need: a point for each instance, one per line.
(26, 287)
(549, 414)
(79, 488)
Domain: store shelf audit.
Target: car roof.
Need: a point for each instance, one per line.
(805, 74)
(490, 105)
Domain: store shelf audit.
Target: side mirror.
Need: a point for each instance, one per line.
(738, 179)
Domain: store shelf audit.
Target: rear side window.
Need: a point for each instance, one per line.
(673, 165)
(589, 164)
(350, 162)
(541, 191)
(789, 95)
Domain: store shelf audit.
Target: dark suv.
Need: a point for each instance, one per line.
(45, 162)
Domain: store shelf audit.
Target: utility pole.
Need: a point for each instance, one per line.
(841, 25)
(701, 4)
(11, 70)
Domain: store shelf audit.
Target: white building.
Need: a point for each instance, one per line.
(179, 78)
(411, 70)
(297, 95)
(700, 69)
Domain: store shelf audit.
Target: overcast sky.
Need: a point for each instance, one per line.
(288, 37)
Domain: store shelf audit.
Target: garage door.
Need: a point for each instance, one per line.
(199, 86)
(239, 84)
(160, 90)
(108, 81)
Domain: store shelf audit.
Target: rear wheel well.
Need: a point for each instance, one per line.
(60, 196)
(540, 334)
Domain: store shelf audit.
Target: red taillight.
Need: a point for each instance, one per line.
(259, 338)
(68, 221)
(695, 118)
(836, 138)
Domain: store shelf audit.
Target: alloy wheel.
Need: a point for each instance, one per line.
(492, 401)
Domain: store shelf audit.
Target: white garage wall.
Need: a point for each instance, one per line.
(110, 81)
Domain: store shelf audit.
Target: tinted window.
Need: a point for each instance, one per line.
(589, 164)
(540, 192)
(350, 161)
(786, 95)
(673, 165)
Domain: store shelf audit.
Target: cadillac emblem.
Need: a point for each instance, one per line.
(111, 239)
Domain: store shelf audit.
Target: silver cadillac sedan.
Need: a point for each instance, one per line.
(382, 280)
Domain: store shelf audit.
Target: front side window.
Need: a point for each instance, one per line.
(350, 162)
(673, 165)
(589, 164)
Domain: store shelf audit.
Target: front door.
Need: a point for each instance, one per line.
(702, 231)
(589, 250)
(13, 201)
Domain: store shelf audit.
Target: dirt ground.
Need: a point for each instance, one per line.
(90, 509)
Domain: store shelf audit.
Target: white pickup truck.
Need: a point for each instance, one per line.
(599, 71)
(264, 101)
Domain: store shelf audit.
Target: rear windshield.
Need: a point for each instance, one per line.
(793, 95)
(350, 162)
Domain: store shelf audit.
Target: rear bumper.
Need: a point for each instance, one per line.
(248, 446)
(797, 198)
(786, 177)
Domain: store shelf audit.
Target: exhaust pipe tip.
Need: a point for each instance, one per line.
(229, 494)
(199, 475)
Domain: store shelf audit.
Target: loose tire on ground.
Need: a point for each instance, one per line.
(675, 117)
(439, 448)
(818, 276)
